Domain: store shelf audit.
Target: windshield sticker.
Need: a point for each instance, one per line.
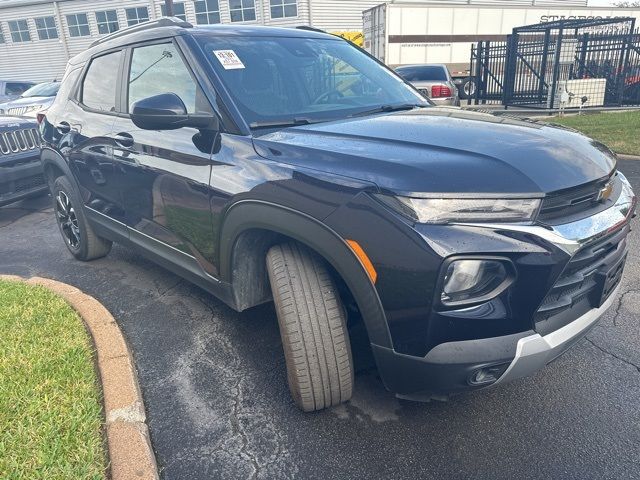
(228, 59)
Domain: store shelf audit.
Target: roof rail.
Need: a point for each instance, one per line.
(160, 22)
(309, 28)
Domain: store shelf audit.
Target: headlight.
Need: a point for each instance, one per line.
(447, 210)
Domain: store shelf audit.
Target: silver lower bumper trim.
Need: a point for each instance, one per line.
(535, 351)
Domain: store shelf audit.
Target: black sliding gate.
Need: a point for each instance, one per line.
(561, 64)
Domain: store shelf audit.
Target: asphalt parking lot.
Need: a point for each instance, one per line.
(215, 389)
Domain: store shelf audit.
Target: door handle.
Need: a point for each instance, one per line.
(63, 127)
(123, 139)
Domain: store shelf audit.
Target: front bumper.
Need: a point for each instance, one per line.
(450, 366)
(21, 181)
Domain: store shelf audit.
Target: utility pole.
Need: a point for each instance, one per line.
(168, 5)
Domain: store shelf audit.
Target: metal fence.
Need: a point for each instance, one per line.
(564, 64)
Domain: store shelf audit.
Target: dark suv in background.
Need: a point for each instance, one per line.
(288, 165)
(20, 168)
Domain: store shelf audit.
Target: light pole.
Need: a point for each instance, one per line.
(168, 6)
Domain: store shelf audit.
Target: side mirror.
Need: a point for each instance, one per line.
(167, 112)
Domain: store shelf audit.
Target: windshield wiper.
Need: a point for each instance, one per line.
(285, 123)
(387, 108)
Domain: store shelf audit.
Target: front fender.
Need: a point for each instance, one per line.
(251, 215)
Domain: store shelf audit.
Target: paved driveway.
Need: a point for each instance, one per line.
(218, 406)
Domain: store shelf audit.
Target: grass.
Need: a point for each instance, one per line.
(50, 401)
(620, 131)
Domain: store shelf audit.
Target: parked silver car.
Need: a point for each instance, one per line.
(433, 81)
(10, 89)
(37, 99)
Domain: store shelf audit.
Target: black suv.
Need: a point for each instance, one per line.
(20, 168)
(288, 165)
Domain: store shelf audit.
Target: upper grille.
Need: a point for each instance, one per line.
(572, 201)
(579, 287)
(18, 111)
(17, 141)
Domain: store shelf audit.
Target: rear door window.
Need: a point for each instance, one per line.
(99, 85)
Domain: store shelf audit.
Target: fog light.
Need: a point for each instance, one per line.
(469, 281)
(487, 375)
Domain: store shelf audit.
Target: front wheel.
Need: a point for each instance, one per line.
(78, 236)
(312, 327)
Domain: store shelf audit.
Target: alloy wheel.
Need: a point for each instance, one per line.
(67, 220)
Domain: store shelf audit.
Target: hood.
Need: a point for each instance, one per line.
(444, 150)
(9, 123)
(26, 102)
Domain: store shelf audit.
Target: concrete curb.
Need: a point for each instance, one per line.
(623, 156)
(130, 452)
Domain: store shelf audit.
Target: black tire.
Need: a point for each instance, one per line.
(467, 88)
(78, 236)
(312, 327)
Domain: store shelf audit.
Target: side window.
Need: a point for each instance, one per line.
(157, 69)
(99, 85)
(14, 88)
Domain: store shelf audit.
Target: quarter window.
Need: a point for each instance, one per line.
(178, 10)
(242, 10)
(207, 12)
(78, 25)
(19, 31)
(284, 8)
(137, 15)
(46, 27)
(99, 85)
(158, 69)
(107, 21)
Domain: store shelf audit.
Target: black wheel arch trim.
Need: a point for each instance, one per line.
(255, 214)
(49, 156)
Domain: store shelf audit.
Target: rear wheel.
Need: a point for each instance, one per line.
(312, 327)
(78, 235)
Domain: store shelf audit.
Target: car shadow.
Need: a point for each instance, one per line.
(13, 212)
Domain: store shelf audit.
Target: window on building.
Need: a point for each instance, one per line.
(107, 21)
(158, 69)
(19, 31)
(207, 12)
(46, 27)
(137, 15)
(1, 35)
(98, 87)
(178, 10)
(78, 25)
(242, 10)
(284, 8)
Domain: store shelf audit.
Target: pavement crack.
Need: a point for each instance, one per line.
(607, 352)
(621, 302)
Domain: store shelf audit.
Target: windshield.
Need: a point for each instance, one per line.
(49, 89)
(283, 79)
(423, 73)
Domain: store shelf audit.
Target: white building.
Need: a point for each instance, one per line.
(37, 37)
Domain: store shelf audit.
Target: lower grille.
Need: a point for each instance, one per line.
(22, 185)
(589, 277)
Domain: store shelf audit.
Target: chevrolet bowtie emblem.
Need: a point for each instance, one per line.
(605, 192)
